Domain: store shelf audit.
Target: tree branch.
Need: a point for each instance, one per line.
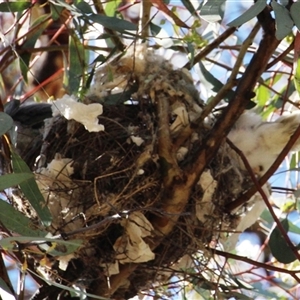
(228, 32)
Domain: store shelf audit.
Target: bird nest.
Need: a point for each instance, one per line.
(114, 188)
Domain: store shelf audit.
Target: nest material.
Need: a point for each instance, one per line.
(119, 171)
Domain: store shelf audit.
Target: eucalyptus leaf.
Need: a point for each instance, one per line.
(111, 7)
(56, 11)
(16, 6)
(32, 36)
(283, 20)
(249, 14)
(235, 295)
(155, 29)
(213, 10)
(6, 123)
(295, 13)
(84, 7)
(77, 64)
(297, 73)
(112, 23)
(16, 222)
(82, 294)
(279, 247)
(189, 6)
(3, 286)
(10, 180)
(211, 82)
(31, 190)
(70, 246)
(24, 60)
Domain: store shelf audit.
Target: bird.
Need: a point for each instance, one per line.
(261, 142)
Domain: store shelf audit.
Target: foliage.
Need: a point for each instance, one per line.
(128, 194)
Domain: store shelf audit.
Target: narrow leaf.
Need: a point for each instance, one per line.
(35, 32)
(84, 7)
(189, 6)
(69, 246)
(211, 82)
(249, 14)
(16, 222)
(77, 291)
(31, 190)
(297, 75)
(6, 122)
(283, 20)
(112, 23)
(56, 11)
(296, 70)
(3, 286)
(14, 6)
(77, 64)
(295, 13)
(10, 180)
(24, 60)
(213, 10)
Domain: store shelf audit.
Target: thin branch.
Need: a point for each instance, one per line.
(281, 56)
(258, 264)
(235, 108)
(265, 198)
(146, 7)
(232, 79)
(211, 47)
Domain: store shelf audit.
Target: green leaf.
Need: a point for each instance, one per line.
(211, 82)
(67, 246)
(297, 73)
(283, 20)
(3, 286)
(191, 51)
(112, 23)
(31, 190)
(293, 160)
(16, 222)
(10, 180)
(71, 290)
(279, 247)
(235, 295)
(35, 32)
(14, 6)
(155, 29)
(189, 6)
(56, 11)
(263, 94)
(111, 7)
(84, 7)
(293, 228)
(249, 14)
(77, 64)
(6, 122)
(24, 60)
(213, 10)
(295, 13)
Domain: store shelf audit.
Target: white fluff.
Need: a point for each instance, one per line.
(261, 142)
(85, 114)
